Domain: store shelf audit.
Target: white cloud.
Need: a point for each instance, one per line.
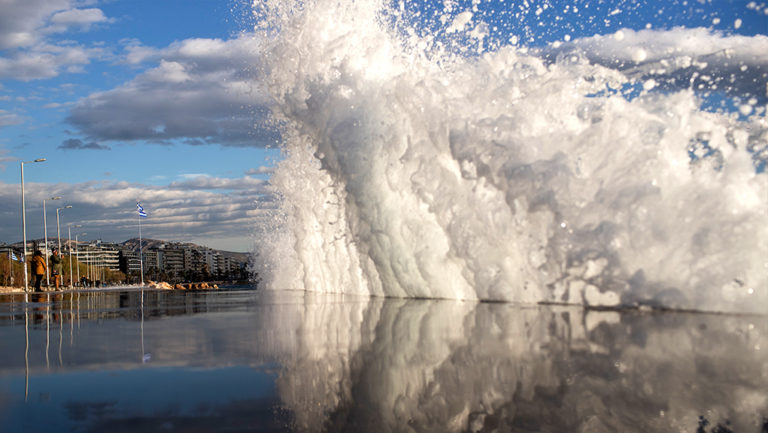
(200, 93)
(46, 61)
(680, 58)
(82, 18)
(201, 208)
(168, 72)
(22, 20)
(135, 53)
(201, 48)
(24, 27)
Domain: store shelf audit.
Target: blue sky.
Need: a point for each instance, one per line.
(42, 105)
(132, 100)
(157, 101)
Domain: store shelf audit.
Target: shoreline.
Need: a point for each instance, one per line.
(157, 285)
(8, 289)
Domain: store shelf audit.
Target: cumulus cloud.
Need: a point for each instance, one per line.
(200, 92)
(22, 20)
(82, 18)
(680, 58)
(77, 144)
(44, 63)
(200, 208)
(25, 54)
(135, 53)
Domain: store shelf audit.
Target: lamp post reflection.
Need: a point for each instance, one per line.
(26, 350)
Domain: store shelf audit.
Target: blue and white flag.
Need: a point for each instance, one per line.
(13, 255)
(141, 210)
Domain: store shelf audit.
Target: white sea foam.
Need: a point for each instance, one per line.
(415, 169)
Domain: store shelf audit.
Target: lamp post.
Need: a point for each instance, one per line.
(24, 225)
(58, 232)
(69, 242)
(58, 226)
(45, 231)
(77, 255)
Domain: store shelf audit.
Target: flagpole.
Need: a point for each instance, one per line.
(141, 255)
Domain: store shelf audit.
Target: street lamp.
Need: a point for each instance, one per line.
(69, 242)
(45, 230)
(24, 225)
(58, 226)
(77, 253)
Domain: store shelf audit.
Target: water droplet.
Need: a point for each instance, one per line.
(745, 109)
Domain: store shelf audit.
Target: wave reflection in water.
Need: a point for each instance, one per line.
(442, 366)
(428, 164)
(303, 362)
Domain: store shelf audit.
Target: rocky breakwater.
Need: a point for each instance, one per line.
(162, 285)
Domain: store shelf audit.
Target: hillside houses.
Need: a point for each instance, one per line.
(176, 261)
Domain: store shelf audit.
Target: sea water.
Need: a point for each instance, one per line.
(475, 151)
(297, 361)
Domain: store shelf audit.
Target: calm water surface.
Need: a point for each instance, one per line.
(248, 361)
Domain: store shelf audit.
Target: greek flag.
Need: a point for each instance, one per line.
(141, 210)
(13, 255)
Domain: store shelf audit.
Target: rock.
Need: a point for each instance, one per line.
(187, 286)
(159, 285)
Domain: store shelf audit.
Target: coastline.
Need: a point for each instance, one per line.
(160, 285)
(7, 289)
